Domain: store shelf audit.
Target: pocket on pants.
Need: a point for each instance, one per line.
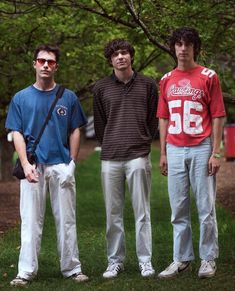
(67, 174)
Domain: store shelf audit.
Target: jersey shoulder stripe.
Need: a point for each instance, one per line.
(166, 75)
(208, 72)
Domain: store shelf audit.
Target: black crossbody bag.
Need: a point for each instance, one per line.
(18, 171)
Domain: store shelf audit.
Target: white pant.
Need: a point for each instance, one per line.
(60, 182)
(137, 172)
(189, 166)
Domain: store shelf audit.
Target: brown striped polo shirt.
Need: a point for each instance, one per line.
(125, 116)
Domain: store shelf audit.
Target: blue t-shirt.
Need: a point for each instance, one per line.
(27, 113)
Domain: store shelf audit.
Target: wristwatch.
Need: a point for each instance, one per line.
(216, 155)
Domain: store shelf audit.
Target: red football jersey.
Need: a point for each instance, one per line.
(190, 99)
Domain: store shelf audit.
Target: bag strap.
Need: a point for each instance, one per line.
(59, 94)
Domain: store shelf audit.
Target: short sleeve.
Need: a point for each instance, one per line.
(78, 118)
(162, 109)
(217, 108)
(14, 116)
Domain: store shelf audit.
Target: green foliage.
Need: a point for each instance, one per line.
(82, 28)
(92, 246)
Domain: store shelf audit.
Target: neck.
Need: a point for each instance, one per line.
(185, 66)
(45, 85)
(124, 75)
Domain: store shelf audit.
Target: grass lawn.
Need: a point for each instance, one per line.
(92, 246)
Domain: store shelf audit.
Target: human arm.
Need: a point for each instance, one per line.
(217, 130)
(30, 171)
(152, 107)
(74, 142)
(163, 126)
(99, 117)
(217, 111)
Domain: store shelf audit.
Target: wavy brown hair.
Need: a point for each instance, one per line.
(118, 44)
(188, 35)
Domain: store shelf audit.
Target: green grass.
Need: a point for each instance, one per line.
(92, 245)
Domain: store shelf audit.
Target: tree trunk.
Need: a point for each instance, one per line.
(6, 163)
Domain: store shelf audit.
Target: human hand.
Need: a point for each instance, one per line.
(31, 173)
(213, 165)
(163, 165)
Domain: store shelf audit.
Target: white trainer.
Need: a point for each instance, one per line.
(79, 277)
(174, 269)
(207, 269)
(113, 270)
(146, 269)
(19, 282)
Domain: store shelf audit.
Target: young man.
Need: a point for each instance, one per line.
(191, 113)
(56, 155)
(125, 125)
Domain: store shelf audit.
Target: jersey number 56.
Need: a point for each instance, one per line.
(191, 123)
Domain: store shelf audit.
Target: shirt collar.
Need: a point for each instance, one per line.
(114, 77)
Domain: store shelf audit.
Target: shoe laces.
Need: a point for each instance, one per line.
(205, 265)
(114, 267)
(146, 266)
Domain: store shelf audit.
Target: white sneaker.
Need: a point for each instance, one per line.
(79, 277)
(207, 269)
(19, 282)
(174, 269)
(146, 269)
(113, 270)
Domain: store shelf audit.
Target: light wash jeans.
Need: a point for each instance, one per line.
(137, 173)
(59, 180)
(189, 166)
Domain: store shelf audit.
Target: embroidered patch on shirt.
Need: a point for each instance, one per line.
(61, 110)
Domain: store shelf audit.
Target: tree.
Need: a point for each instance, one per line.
(81, 28)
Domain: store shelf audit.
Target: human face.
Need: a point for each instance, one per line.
(45, 65)
(121, 60)
(184, 52)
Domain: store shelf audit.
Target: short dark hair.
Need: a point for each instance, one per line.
(189, 35)
(48, 48)
(118, 44)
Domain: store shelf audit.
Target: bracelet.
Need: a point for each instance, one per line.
(217, 156)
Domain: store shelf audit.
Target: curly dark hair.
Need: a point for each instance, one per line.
(48, 48)
(118, 44)
(189, 35)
